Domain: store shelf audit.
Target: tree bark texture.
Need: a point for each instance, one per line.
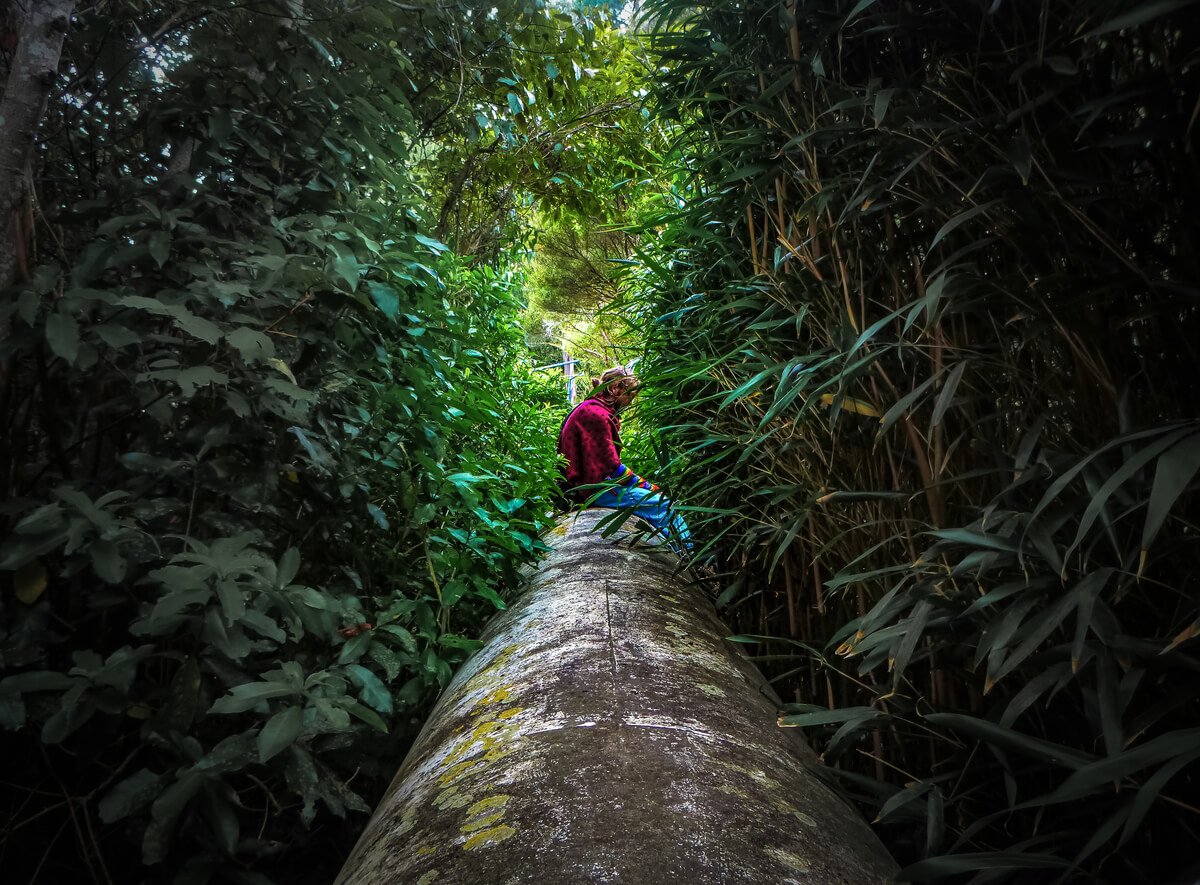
(607, 732)
(38, 32)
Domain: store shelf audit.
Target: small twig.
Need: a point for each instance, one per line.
(16, 826)
(87, 820)
(878, 760)
(267, 790)
(46, 853)
(307, 297)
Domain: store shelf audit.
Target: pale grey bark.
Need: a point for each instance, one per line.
(41, 25)
(607, 732)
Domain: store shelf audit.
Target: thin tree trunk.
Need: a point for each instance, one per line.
(39, 31)
(608, 732)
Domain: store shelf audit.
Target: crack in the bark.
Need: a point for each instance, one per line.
(612, 645)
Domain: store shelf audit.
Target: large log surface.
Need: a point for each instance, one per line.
(606, 732)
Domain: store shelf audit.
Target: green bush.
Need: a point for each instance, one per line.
(272, 453)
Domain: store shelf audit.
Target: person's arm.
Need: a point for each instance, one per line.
(626, 477)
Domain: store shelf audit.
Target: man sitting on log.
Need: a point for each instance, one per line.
(590, 440)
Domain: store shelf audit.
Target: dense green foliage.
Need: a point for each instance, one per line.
(915, 294)
(922, 340)
(270, 452)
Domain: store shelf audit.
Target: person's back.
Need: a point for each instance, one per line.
(588, 440)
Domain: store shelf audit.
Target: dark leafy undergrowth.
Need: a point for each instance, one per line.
(271, 457)
(922, 353)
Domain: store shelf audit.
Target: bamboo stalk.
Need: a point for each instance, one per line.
(753, 240)
(794, 42)
(793, 627)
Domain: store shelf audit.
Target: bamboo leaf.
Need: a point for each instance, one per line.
(859, 7)
(1122, 475)
(1055, 677)
(1147, 12)
(949, 865)
(1148, 793)
(905, 403)
(906, 796)
(1100, 775)
(959, 220)
(914, 630)
(947, 394)
(1050, 620)
(1007, 739)
(1176, 469)
(828, 717)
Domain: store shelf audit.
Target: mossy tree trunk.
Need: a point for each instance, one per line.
(608, 732)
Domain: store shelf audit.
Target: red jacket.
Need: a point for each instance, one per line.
(590, 439)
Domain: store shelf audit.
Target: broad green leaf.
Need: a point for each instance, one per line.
(62, 334)
(289, 567)
(197, 327)
(1031, 691)
(387, 658)
(197, 376)
(108, 562)
(159, 244)
(222, 817)
(280, 731)
(247, 696)
(385, 298)
(378, 515)
(354, 648)
(883, 98)
(373, 692)
(232, 598)
(232, 753)
(165, 813)
(336, 716)
(12, 712)
(433, 245)
(253, 346)
(130, 795)
(367, 715)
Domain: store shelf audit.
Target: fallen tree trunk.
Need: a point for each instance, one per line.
(607, 732)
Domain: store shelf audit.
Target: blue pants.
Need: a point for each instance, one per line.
(652, 507)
